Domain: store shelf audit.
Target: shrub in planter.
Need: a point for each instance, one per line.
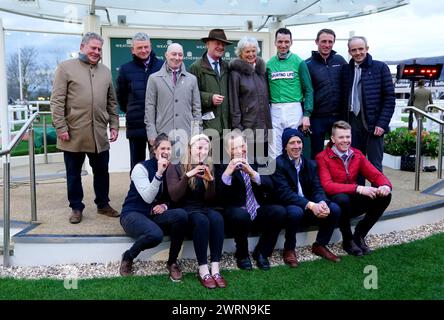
(402, 141)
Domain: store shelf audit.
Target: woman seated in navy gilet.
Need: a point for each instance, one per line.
(146, 214)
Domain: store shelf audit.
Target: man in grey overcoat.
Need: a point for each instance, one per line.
(172, 103)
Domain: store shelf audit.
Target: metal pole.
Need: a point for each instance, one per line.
(6, 209)
(4, 110)
(20, 74)
(412, 92)
(441, 132)
(32, 174)
(45, 143)
(418, 150)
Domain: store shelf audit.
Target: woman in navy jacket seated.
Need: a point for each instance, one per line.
(146, 213)
(191, 185)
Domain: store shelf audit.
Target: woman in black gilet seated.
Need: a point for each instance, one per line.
(146, 213)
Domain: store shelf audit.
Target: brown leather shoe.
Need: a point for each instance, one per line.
(109, 211)
(220, 281)
(207, 281)
(323, 252)
(76, 216)
(290, 258)
(126, 268)
(175, 272)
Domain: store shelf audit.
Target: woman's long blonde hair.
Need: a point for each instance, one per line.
(187, 165)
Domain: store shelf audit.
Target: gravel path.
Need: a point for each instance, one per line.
(144, 268)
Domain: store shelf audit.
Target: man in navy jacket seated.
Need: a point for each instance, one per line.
(299, 189)
(247, 199)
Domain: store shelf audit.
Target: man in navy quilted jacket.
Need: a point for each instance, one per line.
(325, 71)
(131, 88)
(369, 100)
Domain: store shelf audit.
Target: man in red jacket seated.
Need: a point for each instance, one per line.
(339, 166)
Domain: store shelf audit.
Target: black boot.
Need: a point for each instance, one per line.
(351, 248)
(360, 242)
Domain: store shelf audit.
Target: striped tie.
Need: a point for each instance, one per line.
(251, 204)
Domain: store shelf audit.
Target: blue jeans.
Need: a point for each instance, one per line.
(320, 127)
(370, 145)
(99, 164)
(148, 231)
(297, 217)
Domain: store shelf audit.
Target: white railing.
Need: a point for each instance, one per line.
(20, 113)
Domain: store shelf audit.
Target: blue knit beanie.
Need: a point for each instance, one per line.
(288, 134)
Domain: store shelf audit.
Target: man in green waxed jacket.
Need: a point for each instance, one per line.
(212, 77)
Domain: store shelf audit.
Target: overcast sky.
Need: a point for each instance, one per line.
(411, 31)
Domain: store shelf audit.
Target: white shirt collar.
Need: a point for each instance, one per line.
(340, 153)
(211, 60)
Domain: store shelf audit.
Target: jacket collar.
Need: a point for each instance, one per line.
(205, 64)
(84, 58)
(332, 154)
(317, 56)
(166, 75)
(291, 168)
(166, 70)
(246, 68)
(367, 63)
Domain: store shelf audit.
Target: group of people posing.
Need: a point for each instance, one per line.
(226, 145)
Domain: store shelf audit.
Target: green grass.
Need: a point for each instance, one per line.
(408, 271)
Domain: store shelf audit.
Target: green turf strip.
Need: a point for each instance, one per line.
(409, 271)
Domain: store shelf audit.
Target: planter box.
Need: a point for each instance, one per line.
(394, 162)
(390, 161)
(408, 163)
(428, 161)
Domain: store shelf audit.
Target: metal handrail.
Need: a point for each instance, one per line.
(430, 107)
(419, 114)
(6, 155)
(45, 142)
(19, 135)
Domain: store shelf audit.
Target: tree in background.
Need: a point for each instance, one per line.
(36, 77)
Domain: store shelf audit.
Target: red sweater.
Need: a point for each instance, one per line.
(336, 179)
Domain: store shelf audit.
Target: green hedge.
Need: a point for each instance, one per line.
(402, 141)
(51, 139)
(22, 149)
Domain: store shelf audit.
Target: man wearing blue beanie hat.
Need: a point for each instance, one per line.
(299, 190)
(287, 134)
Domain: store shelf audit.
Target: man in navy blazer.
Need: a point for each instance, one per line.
(247, 198)
(298, 188)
